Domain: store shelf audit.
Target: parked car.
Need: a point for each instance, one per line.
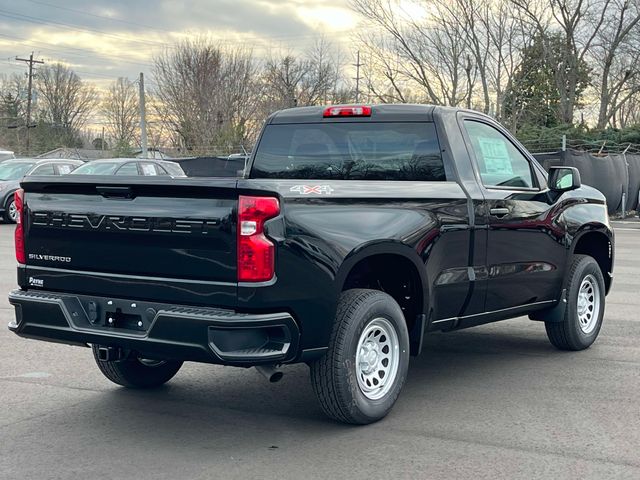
(6, 155)
(131, 166)
(358, 231)
(12, 171)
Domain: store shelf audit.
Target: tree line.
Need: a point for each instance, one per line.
(541, 67)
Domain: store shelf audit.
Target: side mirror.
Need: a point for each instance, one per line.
(563, 179)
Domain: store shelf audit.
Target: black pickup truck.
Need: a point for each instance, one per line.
(354, 233)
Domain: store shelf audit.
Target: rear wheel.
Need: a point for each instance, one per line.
(585, 307)
(136, 372)
(361, 375)
(10, 211)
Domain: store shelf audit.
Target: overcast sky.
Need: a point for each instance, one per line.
(105, 39)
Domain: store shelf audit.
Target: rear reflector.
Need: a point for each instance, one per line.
(256, 253)
(352, 111)
(18, 199)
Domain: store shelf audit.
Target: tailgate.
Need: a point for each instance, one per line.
(153, 228)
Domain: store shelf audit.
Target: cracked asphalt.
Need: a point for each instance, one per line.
(495, 401)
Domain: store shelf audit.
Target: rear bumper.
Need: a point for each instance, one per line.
(157, 330)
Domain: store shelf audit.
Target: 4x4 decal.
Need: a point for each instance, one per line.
(309, 189)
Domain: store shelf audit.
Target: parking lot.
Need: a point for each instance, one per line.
(493, 401)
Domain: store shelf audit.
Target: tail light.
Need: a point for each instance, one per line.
(347, 111)
(19, 203)
(256, 253)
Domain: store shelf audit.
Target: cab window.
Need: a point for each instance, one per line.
(499, 162)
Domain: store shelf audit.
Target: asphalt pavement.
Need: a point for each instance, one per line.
(496, 401)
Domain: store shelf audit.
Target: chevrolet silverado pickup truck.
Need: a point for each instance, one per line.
(354, 232)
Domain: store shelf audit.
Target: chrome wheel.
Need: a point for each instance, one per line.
(588, 304)
(377, 358)
(13, 212)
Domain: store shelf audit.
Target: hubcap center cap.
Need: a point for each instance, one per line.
(369, 357)
(583, 304)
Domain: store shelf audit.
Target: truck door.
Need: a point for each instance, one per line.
(525, 250)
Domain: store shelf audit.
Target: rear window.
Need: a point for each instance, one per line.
(173, 169)
(350, 151)
(101, 168)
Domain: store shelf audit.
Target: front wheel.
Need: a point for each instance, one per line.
(585, 307)
(136, 372)
(361, 375)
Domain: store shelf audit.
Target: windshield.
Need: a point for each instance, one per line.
(350, 151)
(13, 171)
(102, 168)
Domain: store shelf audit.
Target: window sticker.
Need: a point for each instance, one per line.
(148, 169)
(495, 155)
(64, 169)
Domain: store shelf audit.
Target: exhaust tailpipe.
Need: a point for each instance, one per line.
(270, 372)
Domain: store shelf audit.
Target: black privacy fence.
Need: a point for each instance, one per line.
(211, 166)
(617, 176)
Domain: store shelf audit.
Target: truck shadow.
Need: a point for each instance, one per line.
(206, 404)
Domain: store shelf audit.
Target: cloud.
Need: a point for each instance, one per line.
(110, 38)
(106, 39)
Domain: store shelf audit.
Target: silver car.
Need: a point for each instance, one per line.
(12, 171)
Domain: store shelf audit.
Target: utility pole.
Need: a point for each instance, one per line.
(357, 79)
(30, 61)
(143, 121)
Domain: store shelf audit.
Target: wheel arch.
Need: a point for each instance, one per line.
(8, 195)
(598, 244)
(396, 269)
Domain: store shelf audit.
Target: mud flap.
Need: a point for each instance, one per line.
(554, 314)
(416, 335)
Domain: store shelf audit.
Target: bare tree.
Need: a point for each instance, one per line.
(578, 22)
(381, 71)
(13, 111)
(628, 114)
(311, 78)
(120, 110)
(616, 55)
(425, 58)
(207, 92)
(65, 101)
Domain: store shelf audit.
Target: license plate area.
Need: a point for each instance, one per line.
(121, 320)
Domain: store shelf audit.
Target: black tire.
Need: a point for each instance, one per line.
(7, 206)
(132, 373)
(334, 377)
(569, 334)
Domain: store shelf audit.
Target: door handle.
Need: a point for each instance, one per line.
(499, 212)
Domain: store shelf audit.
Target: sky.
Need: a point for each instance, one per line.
(106, 39)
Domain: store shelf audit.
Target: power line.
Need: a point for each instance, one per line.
(63, 49)
(30, 61)
(357, 79)
(143, 121)
(104, 17)
(31, 19)
(149, 27)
